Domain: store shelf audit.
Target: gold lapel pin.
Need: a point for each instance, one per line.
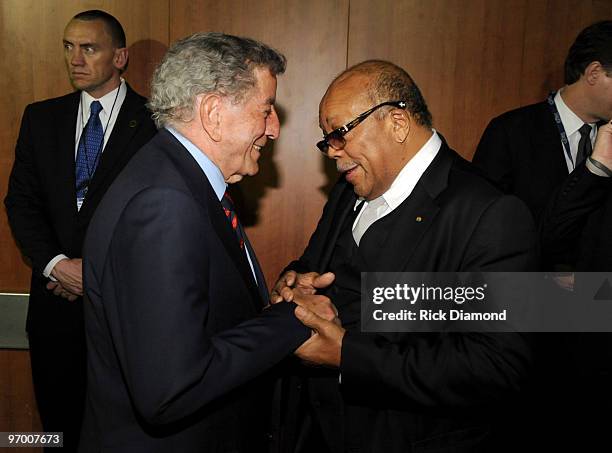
(419, 218)
(133, 123)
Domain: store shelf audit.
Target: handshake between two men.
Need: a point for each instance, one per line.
(315, 311)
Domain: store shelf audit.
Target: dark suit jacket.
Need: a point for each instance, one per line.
(577, 222)
(41, 199)
(575, 233)
(171, 319)
(521, 152)
(426, 392)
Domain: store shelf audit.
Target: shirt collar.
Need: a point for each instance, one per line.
(409, 176)
(107, 100)
(571, 121)
(212, 172)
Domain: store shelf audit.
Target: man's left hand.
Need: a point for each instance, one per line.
(320, 305)
(325, 345)
(308, 283)
(59, 290)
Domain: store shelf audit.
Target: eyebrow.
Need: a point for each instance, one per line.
(80, 44)
(332, 124)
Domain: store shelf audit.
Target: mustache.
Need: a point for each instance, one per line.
(345, 166)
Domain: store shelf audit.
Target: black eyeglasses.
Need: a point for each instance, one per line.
(335, 138)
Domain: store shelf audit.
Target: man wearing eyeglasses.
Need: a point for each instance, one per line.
(404, 202)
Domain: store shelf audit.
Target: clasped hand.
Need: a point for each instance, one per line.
(69, 275)
(314, 311)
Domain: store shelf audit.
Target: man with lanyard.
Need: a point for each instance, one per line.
(68, 152)
(529, 151)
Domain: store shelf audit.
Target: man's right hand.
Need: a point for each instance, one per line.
(69, 274)
(307, 283)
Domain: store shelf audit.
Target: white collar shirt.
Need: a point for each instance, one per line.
(571, 123)
(111, 105)
(406, 180)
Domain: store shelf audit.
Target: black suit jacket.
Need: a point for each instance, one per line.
(41, 199)
(575, 234)
(575, 228)
(173, 331)
(521, 152)
(426, 392)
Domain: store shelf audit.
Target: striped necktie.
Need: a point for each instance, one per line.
(230, 213)
(228, 207)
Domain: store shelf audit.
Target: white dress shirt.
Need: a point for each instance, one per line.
(571, 124)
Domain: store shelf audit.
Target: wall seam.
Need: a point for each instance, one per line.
(348, 34)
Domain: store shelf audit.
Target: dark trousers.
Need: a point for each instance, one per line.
(59, 377)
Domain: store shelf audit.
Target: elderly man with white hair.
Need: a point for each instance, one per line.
(175, 330)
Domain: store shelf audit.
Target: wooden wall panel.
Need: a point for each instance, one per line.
(33, 69)
(282, 204)
(17, 405)
(472, 59)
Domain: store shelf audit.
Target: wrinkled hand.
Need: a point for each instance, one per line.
(59, 290)
(307, 283)
(321, 305)
(325, 345)
(603, 145)
(69, 274)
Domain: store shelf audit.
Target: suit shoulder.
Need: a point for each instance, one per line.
(469, 191)
(135, 96)
(53, 104)
(522, 116)
(150, 163)
(465, 178)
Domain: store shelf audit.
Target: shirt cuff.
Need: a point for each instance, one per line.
(49, 267)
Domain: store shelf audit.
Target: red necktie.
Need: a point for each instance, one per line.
(228, 207)
(230, 213)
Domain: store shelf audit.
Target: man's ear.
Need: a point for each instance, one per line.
(211, 111)
(121, 58)
(593, 72)
(401, 122)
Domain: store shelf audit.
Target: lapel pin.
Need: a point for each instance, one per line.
(133, 123)
(419, 218)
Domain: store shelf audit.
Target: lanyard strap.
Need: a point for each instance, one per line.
(550, 100)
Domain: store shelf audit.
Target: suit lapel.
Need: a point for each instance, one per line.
(261, 279)
(117, 148)
(546, 142)
(65, 167)
(205, 195)
(413, 218)
(345, 203)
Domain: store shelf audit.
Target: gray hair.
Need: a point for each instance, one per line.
(207, 63)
